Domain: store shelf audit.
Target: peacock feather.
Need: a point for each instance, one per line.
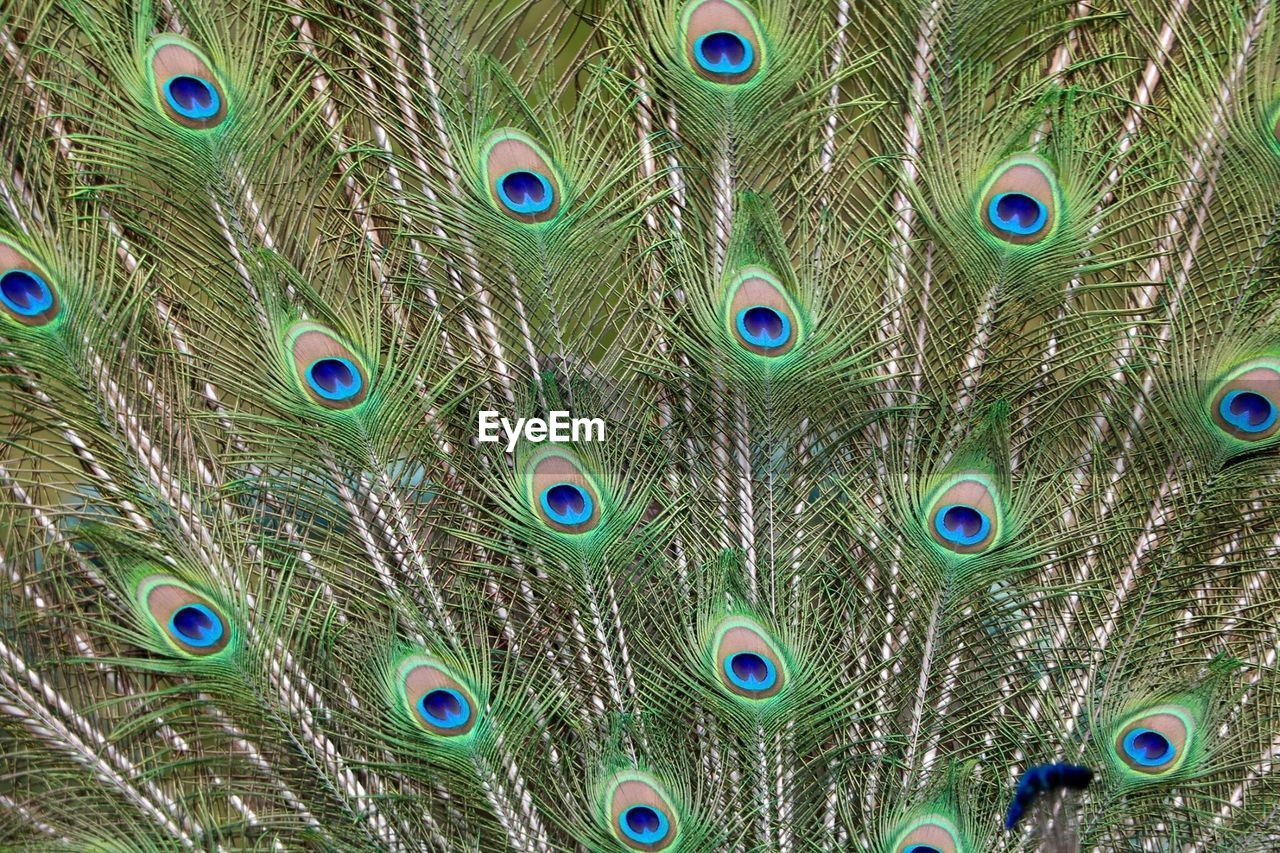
(678, 425)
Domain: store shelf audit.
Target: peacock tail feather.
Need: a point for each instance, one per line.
(679, 425)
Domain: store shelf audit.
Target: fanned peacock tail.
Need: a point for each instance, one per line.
(691, 425)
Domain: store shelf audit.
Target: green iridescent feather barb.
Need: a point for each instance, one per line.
(678, 425)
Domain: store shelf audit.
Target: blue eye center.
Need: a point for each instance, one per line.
(642, 819)
(1152, 744)
(962, 519)
(334, 378)
(566, 500)
(750, 671)
(643, 824)
(749, 667)
(444, 708)
(524, 185)
(196, 625)
(566, 503)
(525, 192)
(25, 293)
(1148, 748)
(922, 848)
(191, 96)
(1019, 208)
(762, 326)
(1017, 213)
(441, 703)
(723, 52)
(1247, 411)
(962, 524)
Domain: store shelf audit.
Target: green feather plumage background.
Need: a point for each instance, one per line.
(938, 347)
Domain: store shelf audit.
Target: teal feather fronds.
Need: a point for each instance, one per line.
(921, 365)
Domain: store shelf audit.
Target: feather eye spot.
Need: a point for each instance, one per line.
(764, 327)
(1245, 405)
(1019, 203)
(566, 504)
(723, 53)
(196, 625)
(334, 379)
(644, 824)
(190, 622)
(444, 708)
(520, 179)
(441, 704)
(963, 518)
(962, 524)
(1247, 411)
(25, 294)
(328, 373)
(1155, 743)
(525, 193)
(750, 671)
(1148, 748)
(192, 97)
(721, 41)
(1017, 213)
(748, 664)
(186, 89)
(561, 493)
(760, 316)
(640, 816)
(930, 835)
